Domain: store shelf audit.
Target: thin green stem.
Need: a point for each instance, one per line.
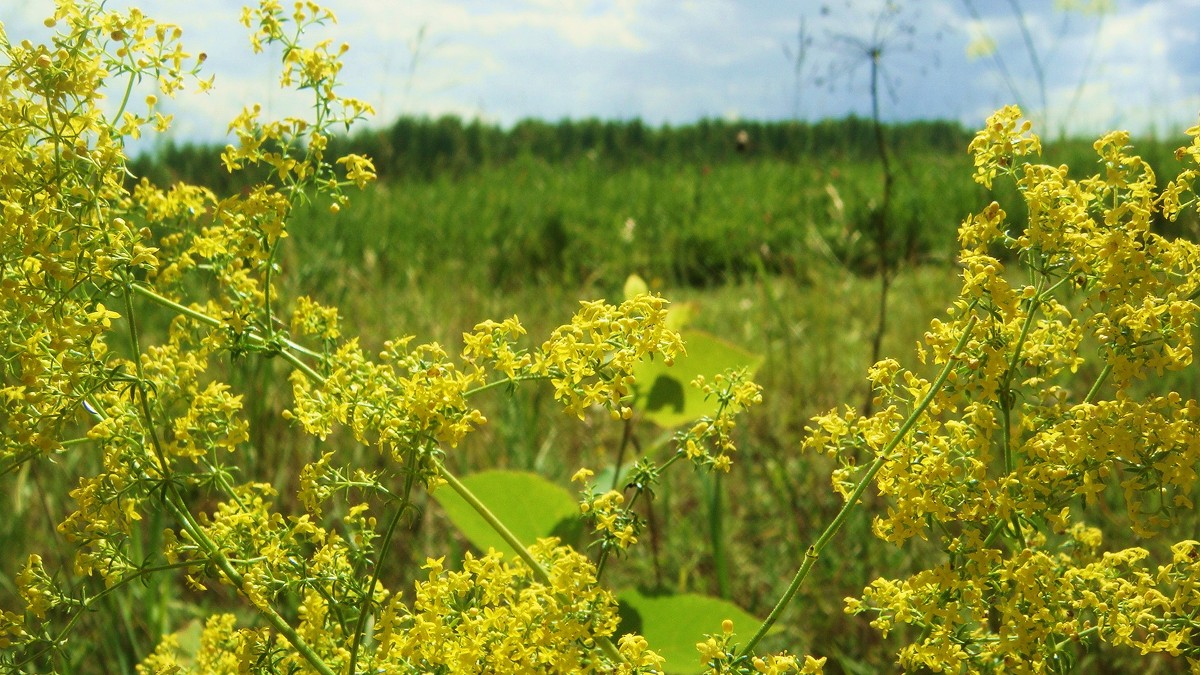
(626, 437)
(499, 383)
(140, 384)
(602, 561)
(360, 625)
(991, 537)
(133, 77)
(301, 366)
(219, 478)
(1058, 646)
(189, 523)
(484, 512)
(1006, 395)
(716, 534)
(86, 604)
(814, 551)
(267, 305)
(217, 323)
(1100, 379)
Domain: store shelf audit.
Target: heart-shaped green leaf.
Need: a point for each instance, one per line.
(665, 395)
(674, 624)
(530, 506)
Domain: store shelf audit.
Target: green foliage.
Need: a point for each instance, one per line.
(675, 623)
(663, 394)
(530, 506)
(417, 149)
(1023, 497)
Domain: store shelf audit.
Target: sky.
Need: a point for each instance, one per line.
(1135, 66)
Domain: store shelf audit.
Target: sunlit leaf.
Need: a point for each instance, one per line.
(673, 624)
(529, 505)
(635, 286)
(664, 393)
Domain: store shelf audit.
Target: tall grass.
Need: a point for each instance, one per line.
(771, 254)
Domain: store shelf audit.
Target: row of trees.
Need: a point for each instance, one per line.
(421, 147)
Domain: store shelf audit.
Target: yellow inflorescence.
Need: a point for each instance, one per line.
(1008, 445)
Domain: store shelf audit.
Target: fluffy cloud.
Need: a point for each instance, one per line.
(678, 60)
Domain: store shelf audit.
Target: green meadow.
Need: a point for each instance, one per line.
(771, 247)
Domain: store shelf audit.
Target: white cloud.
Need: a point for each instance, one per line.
(678, 60)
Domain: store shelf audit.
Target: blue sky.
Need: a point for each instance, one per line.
(676, 61)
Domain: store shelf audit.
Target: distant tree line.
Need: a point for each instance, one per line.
(426, 148)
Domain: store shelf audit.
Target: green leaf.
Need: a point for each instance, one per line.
(673, 624)
(664, 393)
(680, 314)
(635, 286)
(530, 506)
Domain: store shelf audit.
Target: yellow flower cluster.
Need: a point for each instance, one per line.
(295, 147)
(84, 252)
(310, 318)
(493, 616)
(1001, 142)
(998, 460)
(491, 347)
(411, 402)
(617, 526)
(719, 655)
(1038, 604)
(489, 616)
(64, 241)
(416, 399)
(709, 442)
(1001, 457)
(590, 360)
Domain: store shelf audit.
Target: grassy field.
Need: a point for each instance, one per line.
(770, 255)
(773, 254)
(774, 258)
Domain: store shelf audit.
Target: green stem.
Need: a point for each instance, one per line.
(1006, 395)
(1059, 646)
(626, 437)
(996, 530)
(1095, 390)
(602, 561)
(716, 535)
(131, 319)
(189, 523)
(509, 538)
(267, 307)
(301, 366)
(508, 380)
(133, 77)
(217, 323)
(814, 551)
(360, 625)
(85, 605)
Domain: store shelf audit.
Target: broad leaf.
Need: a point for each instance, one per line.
(665, 395)
(530, 506)
(673, 624)
(635, 286)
